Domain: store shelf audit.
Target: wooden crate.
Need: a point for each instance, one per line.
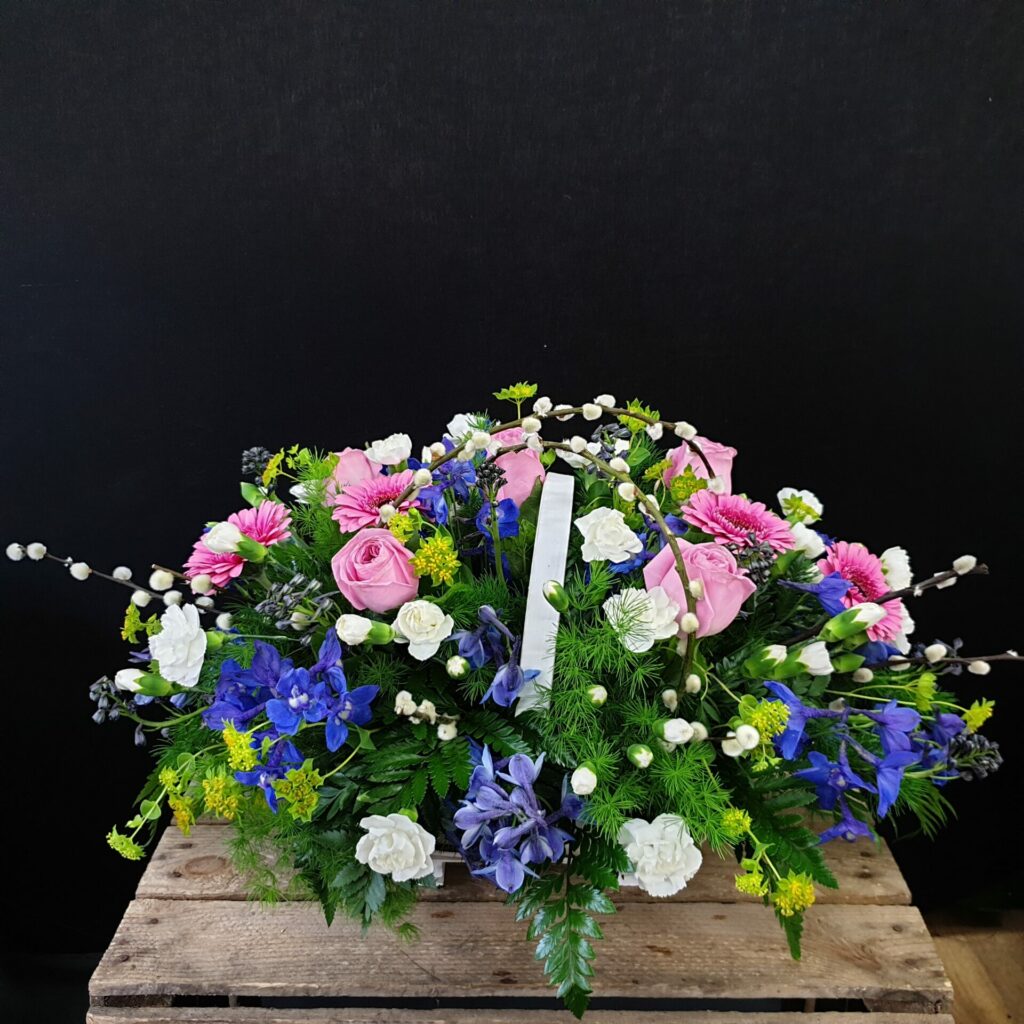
(192, 949)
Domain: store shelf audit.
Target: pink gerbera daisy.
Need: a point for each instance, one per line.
(731, 519)
(359, 505)
(864, 570)
(266, 525)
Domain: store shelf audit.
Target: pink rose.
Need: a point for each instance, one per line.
(725, 585)
(373, 570)
(522, 469)
(719, 455)
(353, 468)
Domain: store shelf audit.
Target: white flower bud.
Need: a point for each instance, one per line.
(697, 590)
(447, 731)
(224, 621)
(203, 602)
(670, 698)
(677, 730)
(36, 551)
(15, 552)
(641, 755)
(128, 679)
(562, 408)
(201, 584)
(123, 573)
(542, 406)
(654, 431)
(592, 411)
(863, 675)
(578, 444)
(605, 401)
(964, 564)
(775, 654)
(457, 667)
(934, 653)
(693, 683)
(422, 478)
(747, 737)
(438, 450)
(427, 710)
(619, 464)
(869, 614)
(700, 732)
(946, 583)
(689, 623)
(731, 746)
(80, 570)
(597, 694)
(839, 704)
(387, 512)
(666, 746)
(531, 425)
(979, 668)
(687, 431)
(300, 621)
(583, 781)
(627, 491)
(172, 597)
(140, 598)
(716, 485)
(404, 704)
(161, 579)
(223, 538)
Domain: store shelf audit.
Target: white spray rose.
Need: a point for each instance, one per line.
(390, 450)
(422, 625)
(606, 536)
(662, 852)
(640, 617)
(396, 846)
(180, 646)
(803, 506)
(223, 538)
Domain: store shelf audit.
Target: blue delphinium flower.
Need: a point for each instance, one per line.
(830, 591)
(848, 827)
(301, 699)
(507, 516)
(894, 724)
(242, 693)
(282, 758)
(480, 645)
(876, 652)
(510, 830)
(791, 741)
(831, 778)
(350, 707)
(509, 679)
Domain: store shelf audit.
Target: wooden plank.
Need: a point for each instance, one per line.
(705, 951)
(197, 868)
(252, 1015)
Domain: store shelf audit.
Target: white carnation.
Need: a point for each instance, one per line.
(662, 852)
(180, 646)
(640, 617)
(606, 536)
(223, 538)
(391, 450)
(896, 566)
(815, 660)
(396, 846)
(422, 625)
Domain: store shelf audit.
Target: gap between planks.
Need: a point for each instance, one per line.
(197, 867)
(249, 1015)
(710, 951)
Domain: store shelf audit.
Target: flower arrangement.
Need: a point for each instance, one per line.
(363, 668)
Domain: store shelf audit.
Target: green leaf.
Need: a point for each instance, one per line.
(794, 928)
(440, 779)
(149, 810)
(418, 787)
(252, 494)
(376, 892)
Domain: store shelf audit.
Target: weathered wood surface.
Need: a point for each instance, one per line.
(197, 868)
(705, 951)
(247, 1015)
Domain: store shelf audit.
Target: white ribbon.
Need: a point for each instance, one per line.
(540, 624)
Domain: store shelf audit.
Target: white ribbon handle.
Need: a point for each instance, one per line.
(540, 623)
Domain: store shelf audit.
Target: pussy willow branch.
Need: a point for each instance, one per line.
(899, 659)
(915, 589)
(655, 512)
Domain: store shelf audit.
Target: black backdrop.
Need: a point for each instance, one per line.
(797, 225)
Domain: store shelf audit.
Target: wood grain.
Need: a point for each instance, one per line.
(251, 1015)
(705, 951)
(197, 868)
